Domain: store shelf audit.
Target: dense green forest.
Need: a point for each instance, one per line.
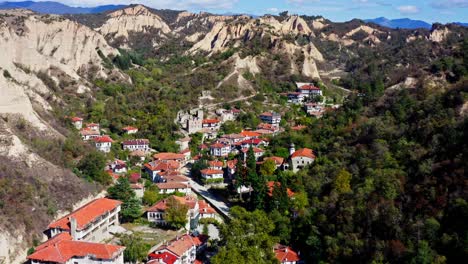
(389, 183)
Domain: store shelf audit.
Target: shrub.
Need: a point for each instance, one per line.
(6, 74)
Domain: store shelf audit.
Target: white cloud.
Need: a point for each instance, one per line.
(273, 10)
(450, 4)
(408, 9)
(169, 4)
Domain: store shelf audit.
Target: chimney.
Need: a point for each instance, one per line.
(73, 226)
(292, 149)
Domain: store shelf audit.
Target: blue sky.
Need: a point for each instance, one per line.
(336, 10)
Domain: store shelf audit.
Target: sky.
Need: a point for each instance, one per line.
(336, 10)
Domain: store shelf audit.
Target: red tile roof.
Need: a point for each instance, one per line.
(136, 142)
(211, 172)
(171, 185)
(232, 136)
(210, 121)
(231, 163)
(305, 152)
(134, 177)
(54, 240)
(285, 254)
(185, 151)
(61, 251)
(176, 178)
(298, 128)
(203, 146)
(103, 139)
(92, 125)
(135, 186)
(180, 245)
(308, 87)
(256, 150)
(112, 174)
(138, 153)
(250, 134)
(215, 163)
(252, 141)
(76, 119)
(129, 128)
(266, 114)
(161, 206)
(86, 214)
(271, 185)
(277, 160)
(267, 127)
(168, 156)
(205, 208)
(162, 165)
(165, 257)
(87, 131)
(218, 145)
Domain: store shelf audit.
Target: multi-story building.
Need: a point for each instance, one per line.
(182, 250)
(130, 130)
(88, 223)
(286, 255)
(103, 143)
(271, 118)
(173, 187)
(299, 159)
(136, 144)
(192, 121)
(87, 134)
(314, 109)
(77, 122)
(63, 249)
(156, 213)
(308, 89)
(215, 164)
(258, 153)
(210, 174)
(211, 124)
(220, 150)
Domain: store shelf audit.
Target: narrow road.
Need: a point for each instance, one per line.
(215, 202)
(212, 199)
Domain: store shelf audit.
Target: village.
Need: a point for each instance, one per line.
(182, 182)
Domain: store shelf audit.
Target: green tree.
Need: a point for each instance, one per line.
(136, 250)
(268, 168)
(176, 213)
(246, 238)
(342, 182)
(151, 195)
(131, 210)
(92, 167)
(121, 190)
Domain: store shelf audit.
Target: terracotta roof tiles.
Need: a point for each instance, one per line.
(86, 214)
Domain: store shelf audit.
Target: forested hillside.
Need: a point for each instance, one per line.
(389, 183)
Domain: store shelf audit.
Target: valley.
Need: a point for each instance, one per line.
(335, 142)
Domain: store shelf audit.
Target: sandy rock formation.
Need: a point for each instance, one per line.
(132, 19)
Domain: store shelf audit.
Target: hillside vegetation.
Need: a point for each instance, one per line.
(389, 183)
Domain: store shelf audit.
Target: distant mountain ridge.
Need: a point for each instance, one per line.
(399, 23)
(50, 7)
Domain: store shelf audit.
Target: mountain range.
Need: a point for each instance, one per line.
(51, 7)
(141, 66)
(399, 23)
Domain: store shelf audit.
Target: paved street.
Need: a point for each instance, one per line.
(215, 201)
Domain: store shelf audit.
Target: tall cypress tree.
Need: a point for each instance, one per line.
(257, 182)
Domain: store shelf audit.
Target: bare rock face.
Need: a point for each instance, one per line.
(32, 44)
(132, 19)
(439, 35)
